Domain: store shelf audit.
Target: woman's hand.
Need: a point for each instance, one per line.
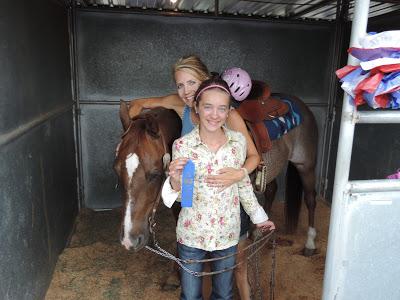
(267, 225)
(175, 172)
(225, 178)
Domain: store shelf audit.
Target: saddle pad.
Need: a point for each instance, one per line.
(282, 125)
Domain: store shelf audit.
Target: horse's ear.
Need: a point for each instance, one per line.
(124, 114)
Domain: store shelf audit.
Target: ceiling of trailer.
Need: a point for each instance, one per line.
(277, 9)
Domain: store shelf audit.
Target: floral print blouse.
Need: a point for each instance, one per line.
(213, 221)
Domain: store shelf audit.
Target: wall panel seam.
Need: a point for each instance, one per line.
(42, 118)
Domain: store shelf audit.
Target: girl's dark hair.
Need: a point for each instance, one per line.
(214, 82)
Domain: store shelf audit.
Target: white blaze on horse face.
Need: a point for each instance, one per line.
(131, 163)
(127, 226)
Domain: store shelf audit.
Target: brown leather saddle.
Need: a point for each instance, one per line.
(257, 107)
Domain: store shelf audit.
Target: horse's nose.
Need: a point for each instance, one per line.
(137, 242)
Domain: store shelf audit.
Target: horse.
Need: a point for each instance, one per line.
(142, 158)
(297, 150)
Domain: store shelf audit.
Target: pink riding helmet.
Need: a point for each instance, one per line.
(239, 82)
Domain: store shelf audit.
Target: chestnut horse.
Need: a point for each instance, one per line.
(144, 153)
(142, 158)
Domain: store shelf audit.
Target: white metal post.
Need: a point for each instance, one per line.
(345, 146)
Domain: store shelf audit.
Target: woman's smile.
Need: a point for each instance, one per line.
(187, 85)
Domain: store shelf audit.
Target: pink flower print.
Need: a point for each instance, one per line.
(236, 200)
(180, 241)
(178, 145)
(233, 150)
(194, 156)
(221, 221)
(209, 168)
(187, 223)
(212, 221)
(198, 217)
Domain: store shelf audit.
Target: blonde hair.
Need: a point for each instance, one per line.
(194, 65)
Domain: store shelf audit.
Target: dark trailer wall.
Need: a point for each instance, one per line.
(38, 182)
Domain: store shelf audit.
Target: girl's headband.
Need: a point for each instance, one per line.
(210, 87)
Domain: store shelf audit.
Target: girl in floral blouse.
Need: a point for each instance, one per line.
(212, 224)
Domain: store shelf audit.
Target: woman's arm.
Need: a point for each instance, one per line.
(171, 102)
(251, 206)
(229, 176)
(235, 122)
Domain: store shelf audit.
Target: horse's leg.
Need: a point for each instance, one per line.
(173, 279)
(242, 282)
(307, 175)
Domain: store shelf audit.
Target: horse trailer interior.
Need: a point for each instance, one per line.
(65, 65)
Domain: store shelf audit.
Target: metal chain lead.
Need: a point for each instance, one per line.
(162, 252)
(272, 275)
(257, 294)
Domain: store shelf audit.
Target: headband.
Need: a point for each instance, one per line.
(210, 87)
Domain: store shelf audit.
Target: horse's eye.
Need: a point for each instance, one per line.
(154, 175)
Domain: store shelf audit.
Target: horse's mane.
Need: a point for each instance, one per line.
(145, 122)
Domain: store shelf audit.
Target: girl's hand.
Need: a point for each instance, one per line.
(225, 178)
(175, 171)
(267, 225)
